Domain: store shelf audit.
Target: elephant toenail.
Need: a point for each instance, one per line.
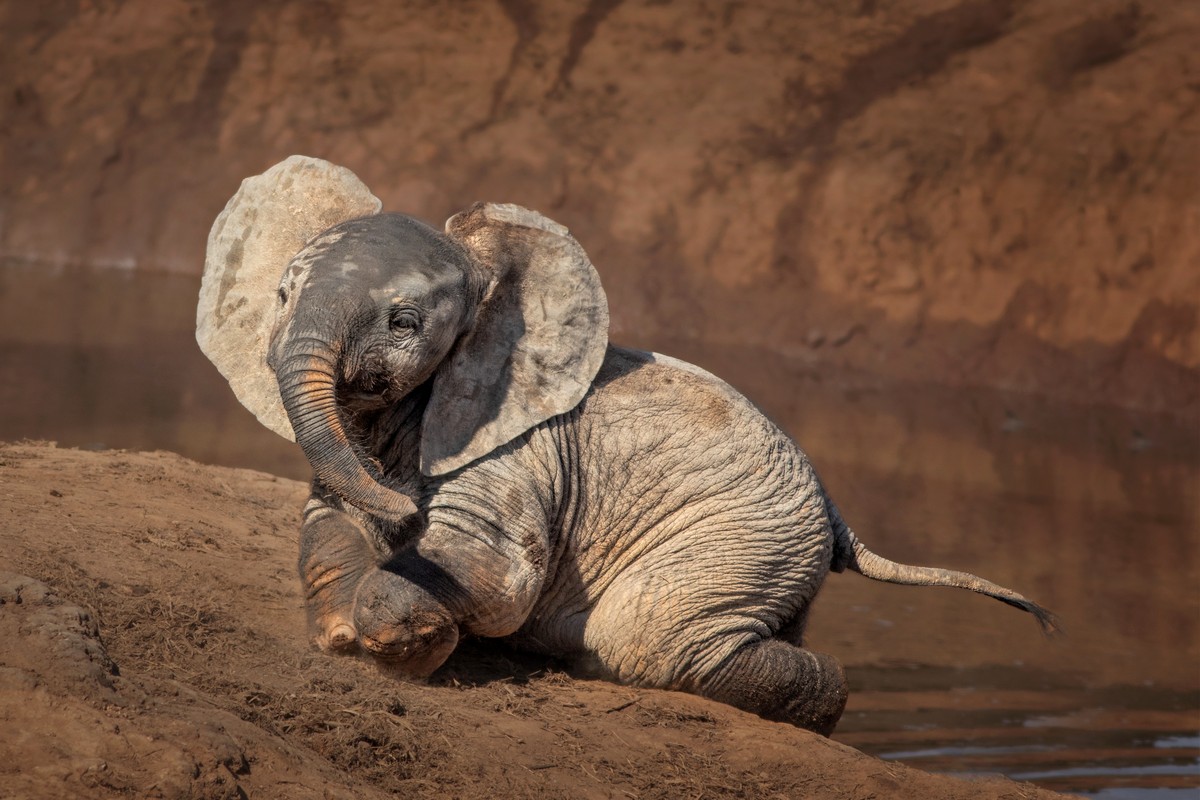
(341, 636)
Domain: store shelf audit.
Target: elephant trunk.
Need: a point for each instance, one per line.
(307, 384)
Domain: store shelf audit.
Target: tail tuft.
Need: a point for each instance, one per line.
(1049, 623)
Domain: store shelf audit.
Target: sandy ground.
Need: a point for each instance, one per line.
(152, 644)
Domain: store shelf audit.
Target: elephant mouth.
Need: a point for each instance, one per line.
(371, 394)
(355, 401)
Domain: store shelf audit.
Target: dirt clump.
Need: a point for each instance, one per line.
(152, 644)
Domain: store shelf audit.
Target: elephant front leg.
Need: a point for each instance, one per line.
(782, 682)
(335, 556)
(411, 610)
(392, 610)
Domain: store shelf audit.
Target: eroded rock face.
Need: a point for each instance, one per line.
(981, 192)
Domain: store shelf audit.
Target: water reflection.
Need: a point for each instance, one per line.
(108, 359)
(1091, 511)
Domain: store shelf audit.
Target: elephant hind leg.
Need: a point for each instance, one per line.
(781, 682)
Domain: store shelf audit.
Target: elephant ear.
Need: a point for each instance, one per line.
(538, 338)
(263, 226)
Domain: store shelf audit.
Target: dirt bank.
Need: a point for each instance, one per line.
(994, 192)
(152, 645)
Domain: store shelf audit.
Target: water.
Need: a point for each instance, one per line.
(1092, 511)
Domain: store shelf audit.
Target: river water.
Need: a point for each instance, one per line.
(1092, 511)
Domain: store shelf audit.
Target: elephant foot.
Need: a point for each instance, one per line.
(782, 682)
(403, 625)
(820, 710)
(335, 556)
(331, 620)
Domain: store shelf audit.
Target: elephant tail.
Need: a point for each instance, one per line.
(848, 551)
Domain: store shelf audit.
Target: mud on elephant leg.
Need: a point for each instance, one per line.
(782, 682)
(335, 555)
(403, 623)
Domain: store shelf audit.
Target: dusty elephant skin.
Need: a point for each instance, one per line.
(487, 464)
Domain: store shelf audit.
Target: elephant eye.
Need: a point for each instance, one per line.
(404, 320)
(282, 296)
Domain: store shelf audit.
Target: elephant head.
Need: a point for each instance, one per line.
(311, 296)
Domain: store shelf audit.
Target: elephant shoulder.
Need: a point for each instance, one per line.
(654, 379)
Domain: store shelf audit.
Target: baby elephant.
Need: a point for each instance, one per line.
(487, 464)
